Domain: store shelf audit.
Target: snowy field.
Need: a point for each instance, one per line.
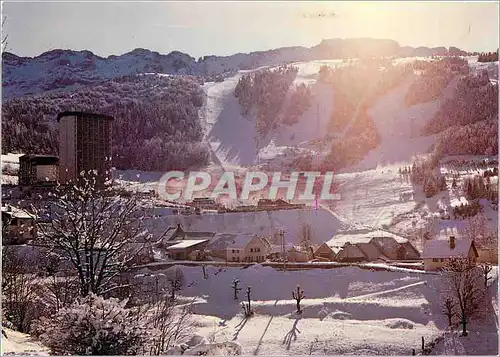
(346, 310)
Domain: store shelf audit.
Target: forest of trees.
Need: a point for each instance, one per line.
(480, 138)
(468, 210)
(488, 57)
(475, 99)
(478, 187)
(262, 94)
(435, 76)
(300, 101)
(153, 129)
(424, 173)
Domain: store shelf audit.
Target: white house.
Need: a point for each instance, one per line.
(438, 251)
(247, 248)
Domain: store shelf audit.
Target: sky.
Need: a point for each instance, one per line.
(225, 28)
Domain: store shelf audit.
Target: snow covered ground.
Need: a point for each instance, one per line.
(345, 311)
(17, 343)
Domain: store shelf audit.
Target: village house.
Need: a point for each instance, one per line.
(366, 245)
(292, 254)
(18, 225)
(183, 249)
(247, 248)
(439, 251)
(177, 234)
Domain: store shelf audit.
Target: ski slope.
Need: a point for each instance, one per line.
(232, 136)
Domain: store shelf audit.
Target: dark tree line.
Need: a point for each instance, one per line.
(424, 173)
(488, 57)
(475, 99)
(155, 118)
(262, 94)
(467, 210)
(480, 138)
(478, 187)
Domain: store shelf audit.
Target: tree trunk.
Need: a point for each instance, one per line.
(464, 327)
(298, 306)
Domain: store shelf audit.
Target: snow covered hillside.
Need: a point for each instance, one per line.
(232, 136)
(61, 69)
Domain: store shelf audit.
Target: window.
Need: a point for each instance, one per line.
(258, 249)
(251, 250)
(435, 260)
(234, 259)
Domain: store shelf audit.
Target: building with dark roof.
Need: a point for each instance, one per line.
(38, 170)
(37, 173)
(84, 145)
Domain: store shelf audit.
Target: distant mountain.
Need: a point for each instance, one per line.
(58, 69)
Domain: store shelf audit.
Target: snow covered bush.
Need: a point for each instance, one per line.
(93, 326)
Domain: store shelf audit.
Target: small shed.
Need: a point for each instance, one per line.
(18, 225)
(181, 250)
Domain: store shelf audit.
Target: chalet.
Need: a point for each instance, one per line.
(18, 225)
(204, 203)
(367, 245)
(178, 233)
(292, 254)
(438, 251)
(247, 248)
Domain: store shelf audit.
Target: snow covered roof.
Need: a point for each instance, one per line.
(277, 248)
(222, 240)
(17, 212)
(187, 243)
(362, 236)
(440, 248)
(241, 240)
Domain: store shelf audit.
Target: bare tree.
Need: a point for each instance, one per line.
(96, 230)
(176, 280)
(485, 270)
(60, 284)
(448, 309)
(235, 288)
(305, 237)
(19, 289)
(170, 323)
(462, 284)
(298, 296)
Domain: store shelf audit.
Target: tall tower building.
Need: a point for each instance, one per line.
(84, 145)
